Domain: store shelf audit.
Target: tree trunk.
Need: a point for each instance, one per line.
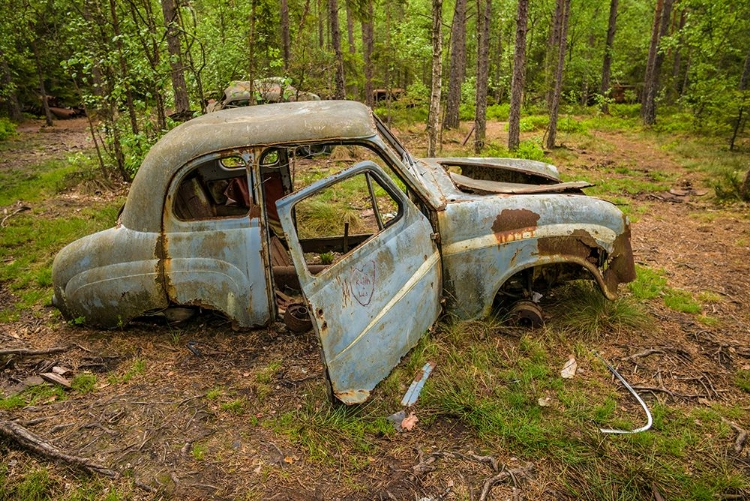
(251, 44)
(42, 89)
(124, 73)
(368, 43)
(285, 39)
(333, 13)
(13, 107)
(677, 65)
(433, 121)
(651, 84)
(153, 54)
(745, 192)
(499, 65)
(483, 71)
(553, 45)
(458, 65)
(551, 136)
(321, 34)
(607, 66)
(350, 28)
(519, 76)
(181, 100)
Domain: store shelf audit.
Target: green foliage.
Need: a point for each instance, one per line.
(742, 380)
(729, 186)
(326, 430)
(7, 128)
(199, 452)
(35, 486)
(570, 125)
(236, 406)
(137, 368)
(530, 150)
(84, 382)
(584, 309)
(466, 112)
(35, 395)
(534, 123)
(680, 300)
(648, 283)
(498, 112)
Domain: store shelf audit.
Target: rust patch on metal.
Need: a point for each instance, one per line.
(621, 266)
(515, 219)
(579, 243)
(515, 224)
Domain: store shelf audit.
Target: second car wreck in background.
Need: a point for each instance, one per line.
(225, 213)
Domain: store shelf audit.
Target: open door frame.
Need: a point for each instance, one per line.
(373, 305)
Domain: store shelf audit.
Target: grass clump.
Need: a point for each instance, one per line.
(84, 383)
(742, 380)
(137, 368)
(34, 395)
(680, 300)
(326, 430)
(534, 123)
(648, 284)
(585, 310)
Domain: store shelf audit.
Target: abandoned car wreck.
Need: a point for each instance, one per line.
(233, 207)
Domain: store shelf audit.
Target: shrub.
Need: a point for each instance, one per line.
(530, 150)
(499, 112)
(7, 128)
(533, 123)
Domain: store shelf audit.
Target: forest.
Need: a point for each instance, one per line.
(644, 102)
(138, 66)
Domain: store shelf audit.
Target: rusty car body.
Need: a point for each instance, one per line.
(218, 217)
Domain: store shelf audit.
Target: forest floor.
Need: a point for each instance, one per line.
(245, 415)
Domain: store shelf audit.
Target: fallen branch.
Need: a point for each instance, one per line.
(25, 352)
(513, 474)
(29, 440)
(20, 209)
(644, 353)
(739, 442)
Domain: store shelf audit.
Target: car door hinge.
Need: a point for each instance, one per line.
(435, 237)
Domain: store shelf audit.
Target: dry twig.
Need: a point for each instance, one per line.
(741, 440)
(644, 353)
(521, 471)
(25, 352)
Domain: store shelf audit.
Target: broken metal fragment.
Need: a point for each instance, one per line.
(412, 394)
(637, 397)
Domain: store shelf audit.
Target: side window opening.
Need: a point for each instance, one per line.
(334, 221)
(216, 188)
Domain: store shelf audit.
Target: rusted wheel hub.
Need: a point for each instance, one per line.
(527, 314)
(297, 318)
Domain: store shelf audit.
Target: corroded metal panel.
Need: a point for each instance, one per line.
(373, 305)
(488, 240)
(485, 186)
(110, 277)
(218, 264)
(532, 167)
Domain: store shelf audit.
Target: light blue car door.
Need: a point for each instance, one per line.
(371, 306)
(212, 240)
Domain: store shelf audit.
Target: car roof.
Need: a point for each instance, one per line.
(296, 122)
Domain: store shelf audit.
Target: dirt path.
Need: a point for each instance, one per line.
(190, 409)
